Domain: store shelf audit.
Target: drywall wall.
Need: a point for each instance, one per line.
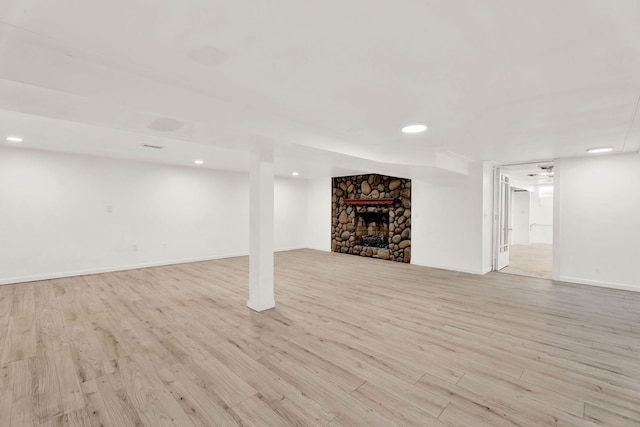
(520, 217)
(541, 217)
(449, 215)
(71, 214)
(319, 214)
(290, 213)
(597, 221)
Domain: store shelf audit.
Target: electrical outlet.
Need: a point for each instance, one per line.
(164, 245)
(135, 248)
(109, 209)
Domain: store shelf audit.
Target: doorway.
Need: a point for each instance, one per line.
(523, 232)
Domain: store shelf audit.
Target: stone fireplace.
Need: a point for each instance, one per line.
(371, 216)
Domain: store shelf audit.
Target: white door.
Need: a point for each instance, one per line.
(504, 215)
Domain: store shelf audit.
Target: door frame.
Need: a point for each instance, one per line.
(497, 205)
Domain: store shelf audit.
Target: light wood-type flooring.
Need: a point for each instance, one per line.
(352, 342)
(535, 260)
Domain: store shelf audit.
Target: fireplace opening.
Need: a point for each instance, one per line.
(372, 228)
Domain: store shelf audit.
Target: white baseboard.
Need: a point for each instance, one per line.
(323, 248)
(581, 281)
(58, 275)
(98, 270)
(261, 307)
(289, 248)
(450, 268)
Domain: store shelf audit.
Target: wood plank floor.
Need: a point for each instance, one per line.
(353, 342)
(535, 260)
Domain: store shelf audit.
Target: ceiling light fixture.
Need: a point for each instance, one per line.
(414, 128)
(198, 162)
(295, 173)
(599, 150)
(14, 139)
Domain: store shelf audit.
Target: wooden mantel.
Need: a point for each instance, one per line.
(369, 202)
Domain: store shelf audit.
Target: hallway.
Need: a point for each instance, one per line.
(534, 260)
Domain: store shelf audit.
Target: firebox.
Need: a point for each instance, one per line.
(372, 227)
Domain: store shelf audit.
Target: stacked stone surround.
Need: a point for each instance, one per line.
(344, 219)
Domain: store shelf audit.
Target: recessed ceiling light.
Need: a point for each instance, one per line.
(414, 128)
(198, 162)
(599, 150)
(14, 139)
(295, 173)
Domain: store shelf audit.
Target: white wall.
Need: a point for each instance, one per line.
(448, 219)
(520, 217)
(541, 218)
(290, 214)
(597, 220)
(55, 221)
(319, 214)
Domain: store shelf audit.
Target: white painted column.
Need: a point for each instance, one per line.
(261, 232)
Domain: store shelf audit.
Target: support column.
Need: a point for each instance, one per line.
(261, 232)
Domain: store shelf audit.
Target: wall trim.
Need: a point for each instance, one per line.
(326, 248)
(581, 281)
(59, 275)
(454, 269)
(287, 248)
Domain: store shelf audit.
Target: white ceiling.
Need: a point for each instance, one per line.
(326, 85)
(529, 175)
